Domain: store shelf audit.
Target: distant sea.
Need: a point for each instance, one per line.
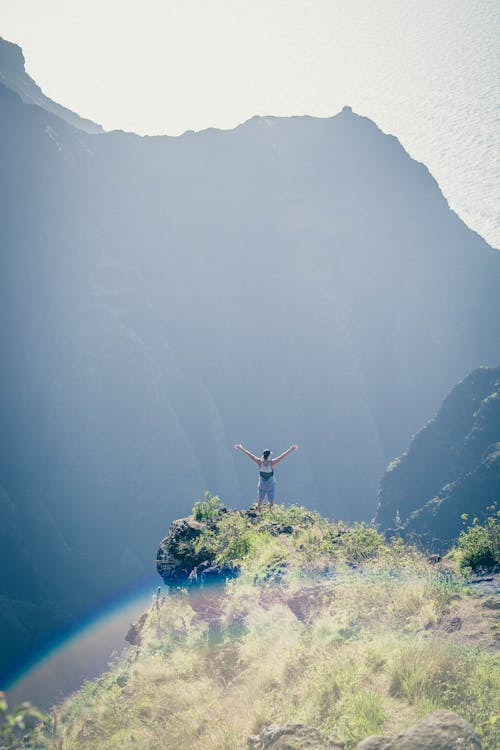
(442, 103)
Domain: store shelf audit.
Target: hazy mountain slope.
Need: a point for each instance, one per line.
(452, 465)
(293, 279)
(14, 76)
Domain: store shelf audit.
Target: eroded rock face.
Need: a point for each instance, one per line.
(179, 562)
(177, 557)
(451, 467)
(292, 737)
(134, 634)
(439, 730)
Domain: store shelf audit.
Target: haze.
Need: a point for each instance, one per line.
(423, 71)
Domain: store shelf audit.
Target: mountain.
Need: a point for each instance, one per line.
(291, 280)
(451, 467)
(13, 75)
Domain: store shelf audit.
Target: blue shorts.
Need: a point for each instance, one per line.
(267, 487)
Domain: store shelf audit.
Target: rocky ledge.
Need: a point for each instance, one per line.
(180, 562)
(292, 737)
(439, 730)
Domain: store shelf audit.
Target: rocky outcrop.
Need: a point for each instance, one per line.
(452, 466)
(180, 562)
(292, 737)
(177, 558)
(439, 730)
(134, 634)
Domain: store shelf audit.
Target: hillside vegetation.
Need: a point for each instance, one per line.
(326, 624)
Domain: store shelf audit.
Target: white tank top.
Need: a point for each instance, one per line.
(266, 468)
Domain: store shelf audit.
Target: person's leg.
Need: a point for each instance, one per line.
(270, 494)
(261, 496)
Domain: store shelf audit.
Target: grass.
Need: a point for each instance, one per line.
(326, 624)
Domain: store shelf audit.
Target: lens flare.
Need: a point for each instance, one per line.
(80, 653)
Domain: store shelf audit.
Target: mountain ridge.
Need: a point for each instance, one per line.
(14, 76)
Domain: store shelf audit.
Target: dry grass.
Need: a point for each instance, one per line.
(300, 636)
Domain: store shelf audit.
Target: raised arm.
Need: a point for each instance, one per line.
(239, 447)
(279, 458)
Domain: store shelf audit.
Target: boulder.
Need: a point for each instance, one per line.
(176, 556)
(292, 737)
(207, 573)
(134, 635)
(308, 600)
(439, 730)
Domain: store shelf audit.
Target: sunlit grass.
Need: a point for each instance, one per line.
(327, 625)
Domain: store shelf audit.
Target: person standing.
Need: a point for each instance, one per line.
(266, 464)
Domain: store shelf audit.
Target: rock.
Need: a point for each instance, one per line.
(449, 624)
(439, 730)
(488, 585)
(176, 556)
(376, 742)
(305, 602)
(134, 635)
(492, 603)
(275, 529)
(292, 737)
(207, 573)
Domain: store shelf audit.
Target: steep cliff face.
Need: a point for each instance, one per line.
(294, 279)
(452, 465)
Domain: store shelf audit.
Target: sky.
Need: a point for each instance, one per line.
(425, 71)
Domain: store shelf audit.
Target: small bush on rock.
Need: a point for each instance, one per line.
(208, 509)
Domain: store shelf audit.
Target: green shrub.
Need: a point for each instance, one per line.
(230, 542)
(479, 545)
(295, 515)
(17, 725)
(208, 509)
(362, 541)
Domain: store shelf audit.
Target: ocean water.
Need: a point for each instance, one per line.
(442, 103)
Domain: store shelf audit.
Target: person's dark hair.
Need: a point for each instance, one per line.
(266, 454)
